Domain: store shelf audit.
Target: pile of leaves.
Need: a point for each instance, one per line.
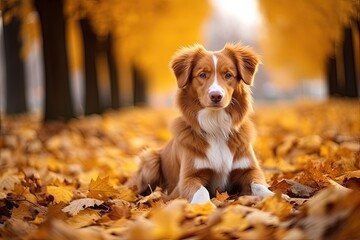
(66, 181)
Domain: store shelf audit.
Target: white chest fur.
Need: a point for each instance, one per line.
(217, 125)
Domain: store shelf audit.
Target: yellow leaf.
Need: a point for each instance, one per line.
(277, 205)
(60, 194)
(126, 194)
(232, 220)
(85, 218)
(38, 220)
(101, 189)
(193, 210)
(20, 190)
(54, 164)
(167, 220)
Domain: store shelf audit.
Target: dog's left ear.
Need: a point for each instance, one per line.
(182, 63)
(246, 61)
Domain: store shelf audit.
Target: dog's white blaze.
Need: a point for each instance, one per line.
(201, 196)
(215, 87)
(260, 190)
(243, 163)
(217, 125)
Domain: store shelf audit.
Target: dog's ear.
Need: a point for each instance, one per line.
(182, 63)
(246, 61)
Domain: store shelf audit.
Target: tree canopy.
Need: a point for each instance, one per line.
(298, 36)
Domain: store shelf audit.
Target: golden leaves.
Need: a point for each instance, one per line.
(72, 185)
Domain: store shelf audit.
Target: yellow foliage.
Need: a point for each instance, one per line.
(299, 35)
(316, 163)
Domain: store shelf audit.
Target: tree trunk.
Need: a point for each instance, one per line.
(114, 84)
(139, 86)
(92, 97)
(58, 99)
(349, 64)
(15, 76)
(331, 76)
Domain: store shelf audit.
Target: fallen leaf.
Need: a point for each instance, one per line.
(84, 218)
(80, 204)
(126, 194)
(232, 219)
(193, 210)
(167, 220)
(101, 189)
(60, 194)
(276, 205)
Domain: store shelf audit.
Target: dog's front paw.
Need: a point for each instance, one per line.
(200, 196)
(262, 191)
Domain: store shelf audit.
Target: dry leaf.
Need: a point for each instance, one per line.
(276, 205)
(47, 165)
(60, 194)
(101, 189)
(167, 220)
(205, 209)
(232, 219)
(80, 204)
(84, 218)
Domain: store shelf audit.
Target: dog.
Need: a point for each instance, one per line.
(211, 149)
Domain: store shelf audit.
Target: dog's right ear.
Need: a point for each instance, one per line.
(182, 63)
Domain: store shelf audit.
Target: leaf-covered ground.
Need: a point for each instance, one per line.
(65, 181)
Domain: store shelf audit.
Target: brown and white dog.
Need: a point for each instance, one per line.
(212, 140)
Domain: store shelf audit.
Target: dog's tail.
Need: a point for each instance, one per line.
(149, 174)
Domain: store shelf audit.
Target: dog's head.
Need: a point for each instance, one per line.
(213, 77)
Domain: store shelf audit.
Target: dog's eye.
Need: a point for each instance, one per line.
(228, 75)
(202, 75)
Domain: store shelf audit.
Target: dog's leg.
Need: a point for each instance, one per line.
(249, 182)
(191, 186)
(248, 179)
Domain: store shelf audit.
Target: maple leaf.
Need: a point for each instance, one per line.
(80, 204)
(60, 194)
(101, 189)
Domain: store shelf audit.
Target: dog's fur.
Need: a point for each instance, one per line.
(212, 140)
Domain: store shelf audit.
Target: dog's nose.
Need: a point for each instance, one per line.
(215, 96)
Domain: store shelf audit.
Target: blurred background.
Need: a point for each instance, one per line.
(68, 58)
